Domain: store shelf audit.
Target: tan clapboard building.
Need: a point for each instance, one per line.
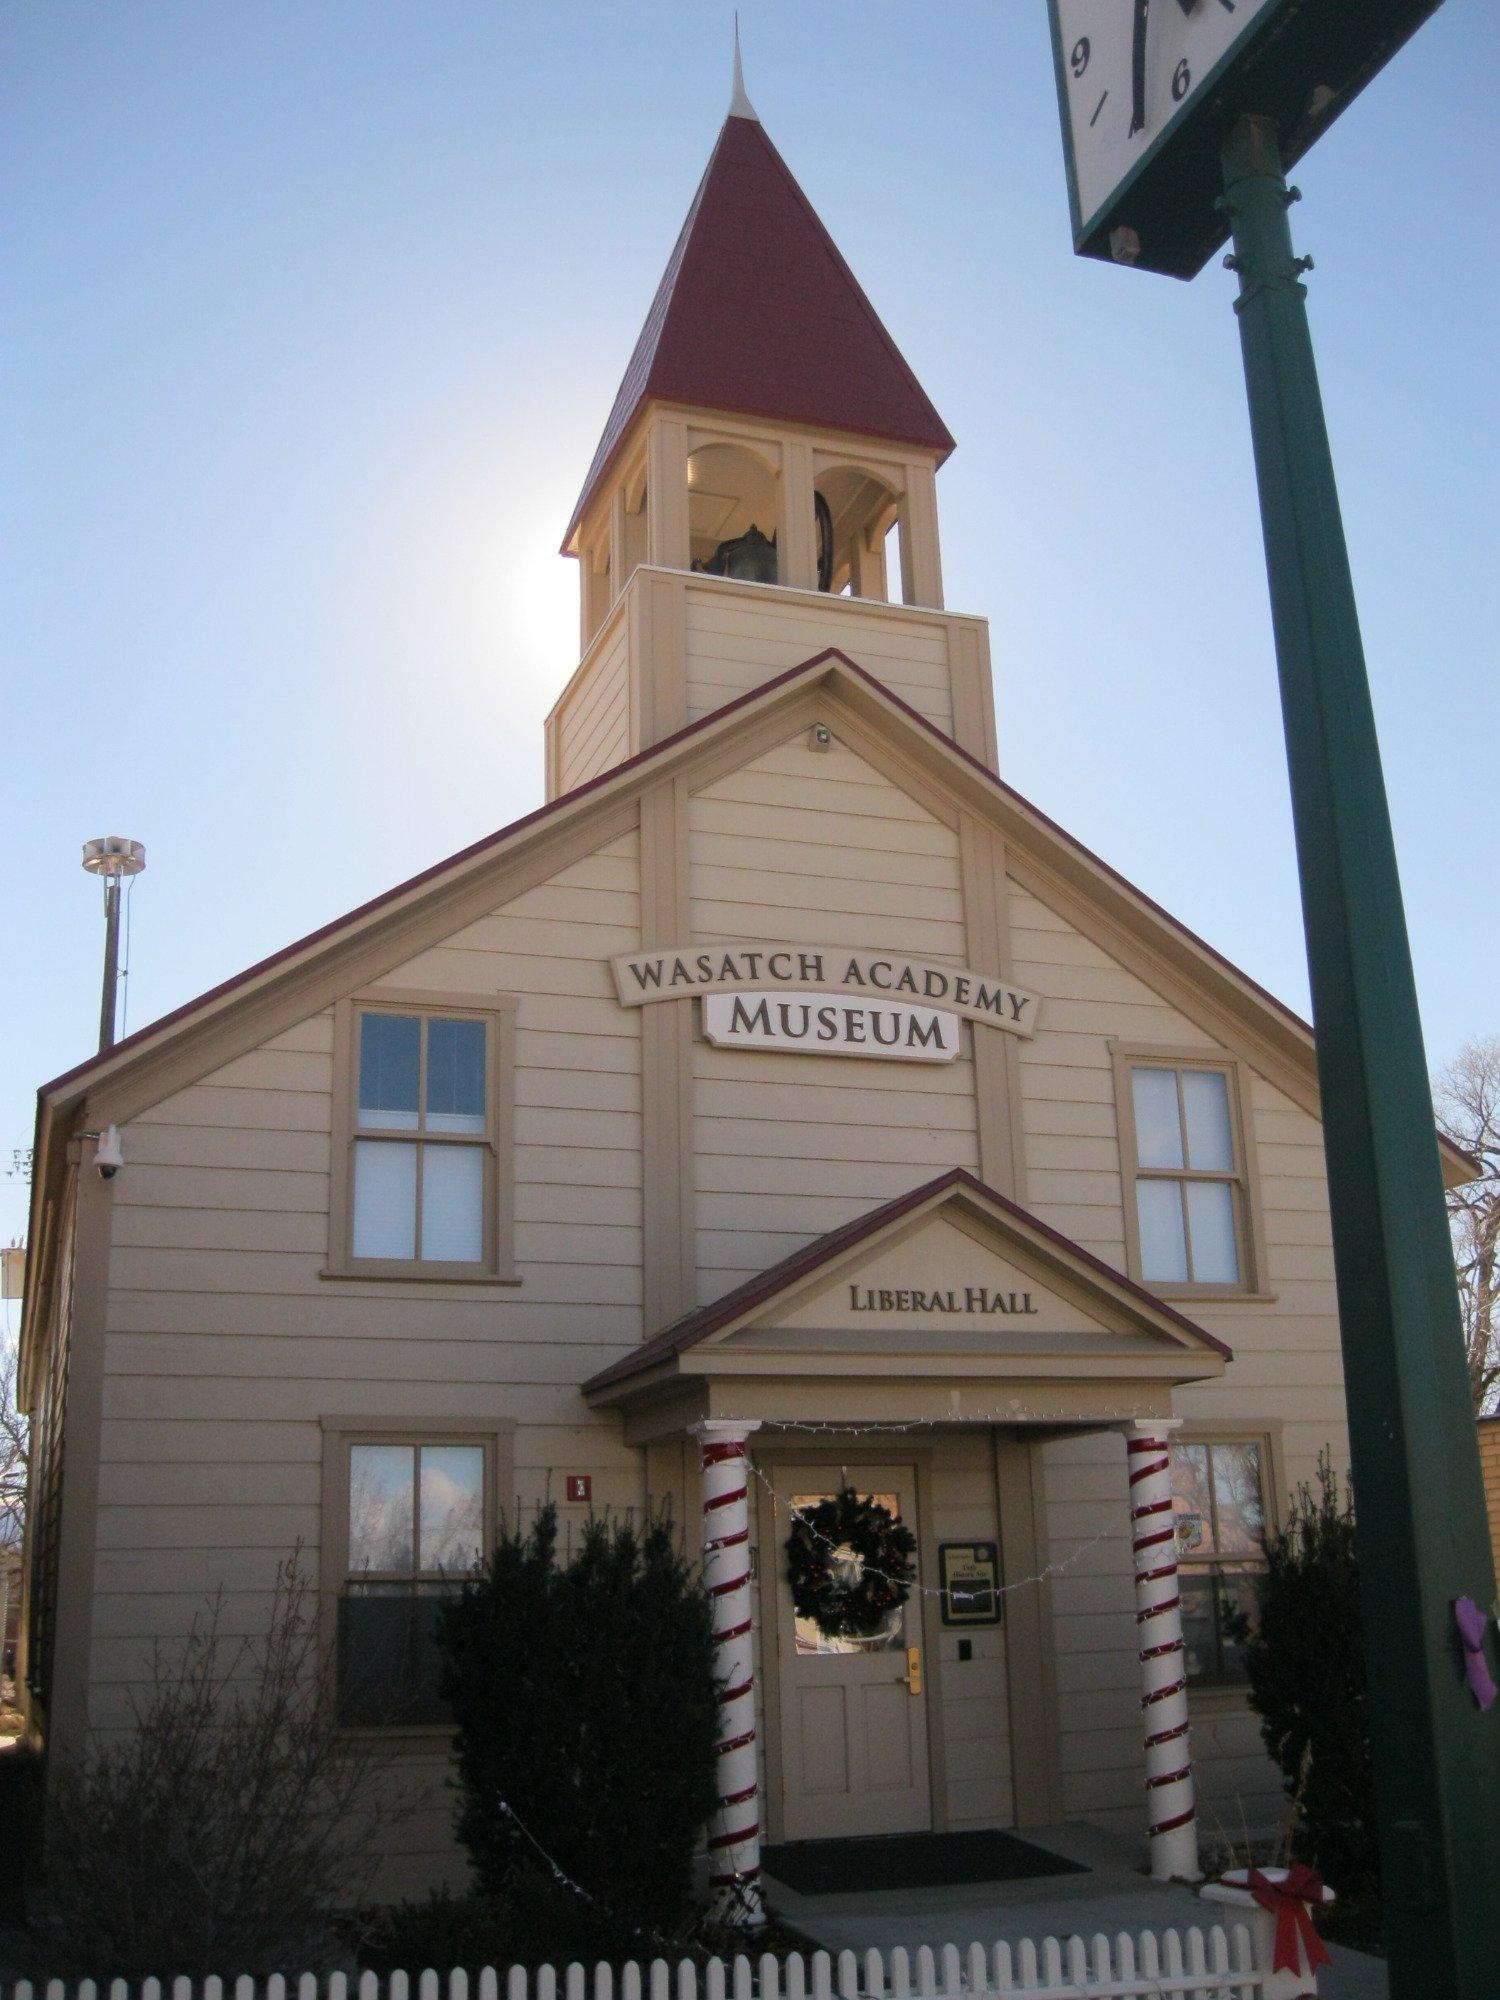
(1489, 1464)
(786, 1069)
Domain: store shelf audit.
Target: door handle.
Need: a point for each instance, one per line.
(913, 1675)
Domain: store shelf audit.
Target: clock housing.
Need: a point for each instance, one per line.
(1150, 89)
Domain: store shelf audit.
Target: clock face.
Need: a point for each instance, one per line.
(1130, 70)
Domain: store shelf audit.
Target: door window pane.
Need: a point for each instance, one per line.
(385, 1199)
(452, 1204)
(1158, 1128)
(1205, 1105)
(1163, 1245)
(455, 1076)
(452, 1520)
(389, 1056)
(380, 1508)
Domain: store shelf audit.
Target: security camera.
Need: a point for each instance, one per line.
(108, 1155)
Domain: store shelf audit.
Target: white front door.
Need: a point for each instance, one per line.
(853, 1712)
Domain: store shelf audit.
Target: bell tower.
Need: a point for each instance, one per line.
(765, 486)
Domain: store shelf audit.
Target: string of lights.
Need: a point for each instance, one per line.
(926, 1589)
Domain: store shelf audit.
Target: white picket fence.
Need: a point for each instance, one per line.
(1212, 1964)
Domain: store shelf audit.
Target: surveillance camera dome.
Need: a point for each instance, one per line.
(108, 1155)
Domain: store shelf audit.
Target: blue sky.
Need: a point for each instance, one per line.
(313, 313)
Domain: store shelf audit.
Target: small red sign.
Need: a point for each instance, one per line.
(580, 1486)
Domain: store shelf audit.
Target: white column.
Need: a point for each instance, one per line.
(734, 1830)
(1172, 1814)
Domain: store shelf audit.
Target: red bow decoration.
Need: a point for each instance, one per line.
(1288, 1902)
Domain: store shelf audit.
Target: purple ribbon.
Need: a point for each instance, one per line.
(1471, 1623)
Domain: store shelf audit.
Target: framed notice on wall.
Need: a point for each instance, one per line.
(969, 1573)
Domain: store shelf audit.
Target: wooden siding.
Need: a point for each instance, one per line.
(1286, 1377)
(592, 720)
(225, 1346)
(975, 1712)
(817, 847)
(739, 636)
(1489, 1459)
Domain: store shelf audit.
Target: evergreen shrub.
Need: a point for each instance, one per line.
(587, 1716)
(535, 1921)
(1306, 1669)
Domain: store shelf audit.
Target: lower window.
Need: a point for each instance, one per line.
(417, 1512)
(1219, 1512)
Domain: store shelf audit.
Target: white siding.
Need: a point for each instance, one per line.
(736, 639)
(225, 1345)
(817, 847)
(593, 721)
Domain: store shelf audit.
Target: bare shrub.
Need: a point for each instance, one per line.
(222, 1831)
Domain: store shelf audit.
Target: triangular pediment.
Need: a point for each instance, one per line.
(950, 1282)
(357, 948)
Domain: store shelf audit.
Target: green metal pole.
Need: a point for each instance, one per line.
(1421, 1533)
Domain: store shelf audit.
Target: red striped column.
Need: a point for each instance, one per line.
(1172, 1815)
(734, 1830)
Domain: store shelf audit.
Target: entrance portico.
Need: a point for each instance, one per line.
(924, 1355)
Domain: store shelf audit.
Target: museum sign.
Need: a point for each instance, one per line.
(826, 999)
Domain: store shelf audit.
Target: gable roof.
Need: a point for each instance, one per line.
(757, 313)
(831, 662)
(305, 976)
(795, 1271)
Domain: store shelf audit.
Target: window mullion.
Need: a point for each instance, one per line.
(1182, 1141)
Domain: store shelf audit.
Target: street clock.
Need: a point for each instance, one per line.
(1150, 89)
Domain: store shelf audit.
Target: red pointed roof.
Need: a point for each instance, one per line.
(759, 314)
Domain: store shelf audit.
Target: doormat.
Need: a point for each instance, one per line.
(910, 1861)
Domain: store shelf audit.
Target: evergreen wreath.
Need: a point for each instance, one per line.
(841, 1605)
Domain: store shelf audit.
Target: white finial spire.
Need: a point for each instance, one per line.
(739, 104)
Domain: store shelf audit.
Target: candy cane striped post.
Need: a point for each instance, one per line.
(1172, 1813)
(734, 1830)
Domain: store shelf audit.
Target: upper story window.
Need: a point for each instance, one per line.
(1190, 1199)
(423, 1186)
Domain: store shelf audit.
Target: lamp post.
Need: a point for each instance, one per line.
(1162, 107)
(1420, 1516)
(112, 860)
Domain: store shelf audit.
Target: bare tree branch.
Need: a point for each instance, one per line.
(1467, 1098)
(13, 1453)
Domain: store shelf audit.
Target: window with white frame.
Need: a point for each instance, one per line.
(1219, 1513)
(1189, 1175)
(426, 1173)
(418, 1512)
